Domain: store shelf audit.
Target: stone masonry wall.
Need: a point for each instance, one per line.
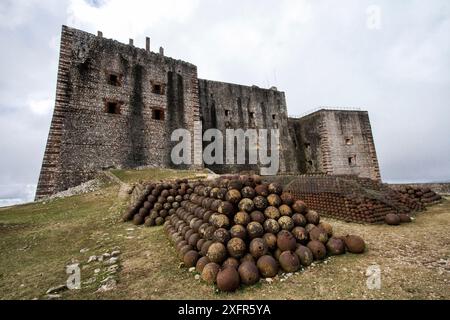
(97, 76)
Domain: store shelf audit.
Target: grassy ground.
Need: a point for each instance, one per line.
(37, 242)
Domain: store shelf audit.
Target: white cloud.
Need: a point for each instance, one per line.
(42, 106)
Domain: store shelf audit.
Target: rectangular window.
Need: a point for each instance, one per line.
(227, 113)
(252, 115)
(158, 88)
(349, 141)
(274, 116)
(114, 80)
(352, 161)
(112, 107)
(307, 145)
(157, 114)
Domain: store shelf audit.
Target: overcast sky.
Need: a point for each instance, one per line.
(321, 53)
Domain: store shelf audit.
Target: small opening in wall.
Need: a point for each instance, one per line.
(274, 116)
(114, 80)
(352, 161)
(157, 114)
(252, 115)
(310, 162)
(349, 141)
(157, 88)
(307, 145)
(112, 108)
(227, 113)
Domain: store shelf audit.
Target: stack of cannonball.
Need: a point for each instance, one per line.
(238, 230)
(426, 196)
(157, 202)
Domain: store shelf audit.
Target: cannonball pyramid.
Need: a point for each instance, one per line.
(236, 230)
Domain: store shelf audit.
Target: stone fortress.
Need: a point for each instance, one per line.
(117, 105)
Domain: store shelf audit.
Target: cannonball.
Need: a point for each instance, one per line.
(183, 250)
(205, 247)
(262, 190)
(286, 241)
(392, 219)
(318, 249)
(312, 217)
(404, 218)
(231, 262)
(220, 221)
(249, 273)
(258, 248)
(190, 258)
(309, 227)
(210, 271)
(193, 239)
(271, 240)
(238, 231)
(138, 219)
(236, 247)
(300, 234)
(233, 196)
(226, 208)
(272, 226)
(286, 223)
(299, 220)
(277, 253)
(217, 252)
(274, 200)
(247, 257)
(260, 202)
(150, 222)
(299, 207)
(287, 198)
(354, 244)
(221, 235)
(246, 205)
(248, 192)
(328, 228)
(257, 216)
(289, 261)
(228, 279)
(242, 218)
(235, 184)
(255, 230)
(335, 246)
(275, 188)
(285, 210)
(318, 234)
(267, 266)
(272, 213)
(199, 244)
(304, 255)
(159, 221)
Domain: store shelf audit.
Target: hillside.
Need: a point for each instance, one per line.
(38, 241)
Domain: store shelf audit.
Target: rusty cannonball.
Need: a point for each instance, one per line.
(247, 257)
(287, 198)
(258, 248)
(272, 226)
(242, 218)
(210, 271)
(277, 253)
(205, 247)
(199, 244)
(300, 234)
(404, 218)
(190, 258)
(208, 233)
(335, 246)
(138, 219)
(299, 207)
(226, 208)
(236, 248)
(272, 213)
(285, 210)
(255, 230)
(246, 205)
(275, 188)
(183, 250)
(289, 261)
(260, 202)
(392, 219)
(217, 252)
(257, 216)
(150, 222)
(233, 196)
(228, 279)
(318, 249)
(354, 244)
(286, 241)
(249, 273)
(220, 221)
(271, 240)
(267, 266)
(262, 190)
(231, 262)
(248, 192)
(221, 235)
(304, 255)
(235, 184)
(318, 234)
(328, 228)
(193, 239)
(312, 217)
(274, 200)
(299, 220)
(238, 231)
(286, 223)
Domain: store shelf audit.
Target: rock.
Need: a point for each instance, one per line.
(92, 259)
(108, 285)
(197, 277)
(53, 296)
(115, 253)
(84, 250)
(97, 270)
(57, 289)
(269, 280)
(112, 261)
(114, 268)
(192, 269)
(106, 255)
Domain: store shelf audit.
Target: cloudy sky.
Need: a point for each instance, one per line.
(391, 58)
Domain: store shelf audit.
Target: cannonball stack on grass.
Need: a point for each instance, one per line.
(425, 196)
(158, 202)
(235, 231)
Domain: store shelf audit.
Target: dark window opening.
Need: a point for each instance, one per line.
(274, 116)
(112, 108)
(157, 88)
(252, 115)
(352, 161)
(114, 80)
(227, 112)
(349, 141)
(310, 162)
(157, 114)
(307, 145)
